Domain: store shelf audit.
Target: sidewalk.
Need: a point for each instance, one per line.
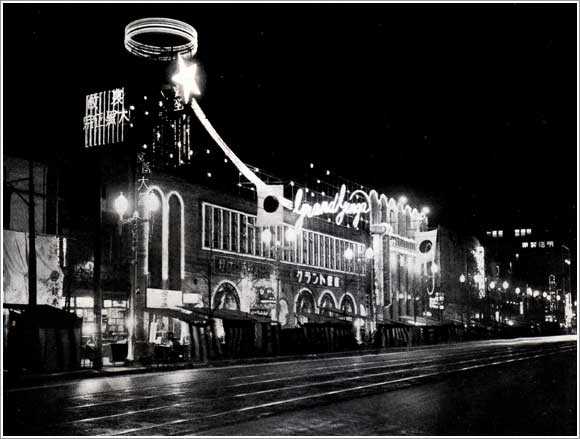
(31, 379)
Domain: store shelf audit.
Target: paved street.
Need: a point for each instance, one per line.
(503, 387)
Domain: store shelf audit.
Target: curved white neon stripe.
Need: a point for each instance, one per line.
(247, 172)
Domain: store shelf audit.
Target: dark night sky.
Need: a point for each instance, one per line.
(469, 108)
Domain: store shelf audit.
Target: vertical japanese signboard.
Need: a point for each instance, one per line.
(106, 118)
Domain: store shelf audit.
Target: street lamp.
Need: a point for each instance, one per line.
(462, 280)
(150, 203)
(348, 255)
(434, 271)
(370, 256)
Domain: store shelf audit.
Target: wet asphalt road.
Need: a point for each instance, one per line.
(510, 387)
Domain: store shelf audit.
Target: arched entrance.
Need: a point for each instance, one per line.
(226, 297)
(327, 304)
(347, 305)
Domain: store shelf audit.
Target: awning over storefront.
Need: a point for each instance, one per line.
(224, 314)
(319, 318)
(341, 314)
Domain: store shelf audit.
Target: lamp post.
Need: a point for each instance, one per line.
(348, 256)
(434, 271)
(370, 258)
(149, 203)
(462, 280)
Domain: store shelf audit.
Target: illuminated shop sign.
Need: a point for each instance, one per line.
(105, 117)
(157, 298)
(313, 278)
(339, 207)
(437, 302)
(479, 277)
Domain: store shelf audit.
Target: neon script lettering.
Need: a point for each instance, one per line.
(339, 207)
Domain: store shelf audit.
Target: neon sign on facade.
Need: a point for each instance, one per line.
(339, 207)
(105, 117)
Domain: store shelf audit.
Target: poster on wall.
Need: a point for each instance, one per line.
(49, 276)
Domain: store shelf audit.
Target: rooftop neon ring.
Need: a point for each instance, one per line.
(163, 26)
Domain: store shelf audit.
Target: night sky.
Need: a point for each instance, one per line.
(468, 108)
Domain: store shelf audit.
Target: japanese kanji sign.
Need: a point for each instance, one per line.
(105, 117)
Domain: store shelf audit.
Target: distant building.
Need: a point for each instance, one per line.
(536, 263)
(460, 260)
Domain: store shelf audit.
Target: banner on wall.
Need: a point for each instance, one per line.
(427, 245)
(49, 276)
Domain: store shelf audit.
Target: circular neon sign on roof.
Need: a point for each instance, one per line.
(163, 28)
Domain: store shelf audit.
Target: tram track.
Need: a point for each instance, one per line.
(403, 371)
(250, 411)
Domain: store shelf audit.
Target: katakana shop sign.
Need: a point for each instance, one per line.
(313, 278)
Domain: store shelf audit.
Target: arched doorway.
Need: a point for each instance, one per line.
(347, 304)
(226, 297)
(327, 304)
(305, 302)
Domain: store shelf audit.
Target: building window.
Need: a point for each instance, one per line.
(488, 233)
(494, 233)
(500, 233)
(251, 236)
(529, 231)
(217, 227)
(542, 244)
(235, 233)
(232, 231)
(207, 222)
(332, 253)
(550, 243)
(243, 234)
(524, 245)
(517, 232)
(533, 244)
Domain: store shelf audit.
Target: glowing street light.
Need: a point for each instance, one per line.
(434, 268)
(505, 285)
(462, 278)
(402, 200)
(425, 210)
(121, 205)
(492, 284)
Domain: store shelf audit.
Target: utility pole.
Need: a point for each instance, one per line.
(98, 292)
(32, 294)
